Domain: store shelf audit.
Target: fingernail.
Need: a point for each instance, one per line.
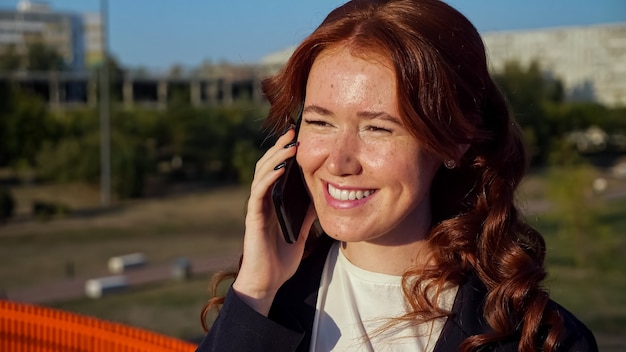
(280, 166)
(292, 144)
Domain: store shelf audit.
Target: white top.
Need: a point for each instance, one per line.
(354, 305)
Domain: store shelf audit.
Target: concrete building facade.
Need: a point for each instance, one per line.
(590, 61)
(69, 34)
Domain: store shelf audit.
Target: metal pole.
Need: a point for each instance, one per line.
(105, 125)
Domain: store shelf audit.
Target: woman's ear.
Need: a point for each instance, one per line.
(452, 163)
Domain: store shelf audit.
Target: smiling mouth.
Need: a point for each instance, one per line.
(349, 194)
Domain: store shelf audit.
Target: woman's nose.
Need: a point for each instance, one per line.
(343, 157)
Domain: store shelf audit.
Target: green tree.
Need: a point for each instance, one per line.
(70, 159)
(130, 165)
(245, 155)
(24, 125)
(218, 144)
(578, 116)
(44, 58)
(529, 91)
(75, 156)
(10, 60)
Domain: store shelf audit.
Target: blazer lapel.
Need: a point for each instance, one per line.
(467, 316)
(295, 302)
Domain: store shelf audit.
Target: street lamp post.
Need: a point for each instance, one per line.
(105, 125)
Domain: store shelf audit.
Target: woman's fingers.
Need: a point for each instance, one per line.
(268, 261)
(261, 219)
(266, 170)
(275, 155)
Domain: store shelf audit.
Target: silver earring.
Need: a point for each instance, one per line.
(449, 164)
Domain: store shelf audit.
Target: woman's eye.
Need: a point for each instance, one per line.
(320, 123)
(378, 129)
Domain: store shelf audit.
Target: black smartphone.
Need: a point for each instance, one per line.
(291, 197)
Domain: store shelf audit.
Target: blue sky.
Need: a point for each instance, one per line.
(159, 33)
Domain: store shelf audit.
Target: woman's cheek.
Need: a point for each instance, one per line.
(311, 153)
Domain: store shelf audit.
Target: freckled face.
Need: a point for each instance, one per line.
(368, 176)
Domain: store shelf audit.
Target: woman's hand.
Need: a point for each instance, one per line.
(268, 260)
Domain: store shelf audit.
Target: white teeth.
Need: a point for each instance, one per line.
(348, 195)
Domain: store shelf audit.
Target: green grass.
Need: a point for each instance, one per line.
(40, 258)
(170, 307)
(586, 273)
(614, 214)
(199, 225)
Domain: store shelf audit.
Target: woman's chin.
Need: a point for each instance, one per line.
(346, 234)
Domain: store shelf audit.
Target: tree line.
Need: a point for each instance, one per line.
(153, 148)
(549, 121)
(212, 144)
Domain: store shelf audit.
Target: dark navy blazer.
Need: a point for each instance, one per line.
(240, 328)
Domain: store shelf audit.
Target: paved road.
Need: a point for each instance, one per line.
(75, 288)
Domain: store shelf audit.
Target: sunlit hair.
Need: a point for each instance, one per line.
(446, 99)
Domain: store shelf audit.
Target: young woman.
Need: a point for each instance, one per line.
(411, 159)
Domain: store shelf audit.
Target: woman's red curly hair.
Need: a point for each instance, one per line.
(447, 99)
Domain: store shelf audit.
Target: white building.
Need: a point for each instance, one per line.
(94, 39)
(70, 34)
(590, 61)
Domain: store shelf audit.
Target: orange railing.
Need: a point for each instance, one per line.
(26, 327)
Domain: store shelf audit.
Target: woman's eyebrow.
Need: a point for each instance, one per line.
(317, 110)
(370, 115)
